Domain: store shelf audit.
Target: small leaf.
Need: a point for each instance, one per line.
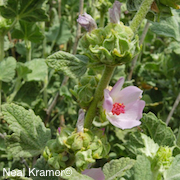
(173, 172)
(71, 65)
(158, 130)
(74, 175)
(117, 168)
(7, 69)
(39, 70)
(30, 135)
(42, 165)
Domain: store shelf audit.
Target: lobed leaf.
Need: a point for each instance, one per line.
(29, 133)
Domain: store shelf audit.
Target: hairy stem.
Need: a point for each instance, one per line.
(140, 15)
(106, 77)
(1, 58)
(101, 24)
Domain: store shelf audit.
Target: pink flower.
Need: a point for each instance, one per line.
(123, 108)
(86, 21)
(95, 173)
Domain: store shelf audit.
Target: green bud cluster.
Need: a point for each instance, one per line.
(162, 159)
(56, 152)
(84, 91)
(87, 146)
(112, 45)
(72, 147)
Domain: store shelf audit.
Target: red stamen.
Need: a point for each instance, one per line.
(118, 108)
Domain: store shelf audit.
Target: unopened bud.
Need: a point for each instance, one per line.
(87, 22)
(115, 12)
(80, 121)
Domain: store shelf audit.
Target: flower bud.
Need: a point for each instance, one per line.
(80, 122)
(115, 12)
(87, 22)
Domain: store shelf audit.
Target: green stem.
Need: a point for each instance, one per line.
(28, 50)
(1, 58)
(45, 96)
(101, 24)
(1, 47)
(106, 77)
(140, 15)
(18, 85)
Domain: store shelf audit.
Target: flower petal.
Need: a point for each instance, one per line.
(128, 95)
(129, 119)
(108, 102)
(119, 122)
(95, 173)
(116, 88)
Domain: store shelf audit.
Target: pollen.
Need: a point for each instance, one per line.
(118, 108)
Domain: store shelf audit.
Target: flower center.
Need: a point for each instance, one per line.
(118, 108)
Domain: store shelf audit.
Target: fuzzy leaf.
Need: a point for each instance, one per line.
(141, 169)
(168, 27)
(72, 66)
(7, 69)
(29, 133)
(139, 144)
(158, 130)
(173, 172)
(117, 168)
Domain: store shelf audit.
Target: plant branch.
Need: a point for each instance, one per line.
(173, 109)
(98, 96)
(140, 15)
(78, 33)
(136, 57)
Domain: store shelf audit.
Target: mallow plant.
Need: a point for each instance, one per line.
(112, 139)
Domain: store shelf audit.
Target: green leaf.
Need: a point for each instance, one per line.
(29, 10)
(173, 172)
(139, 144)
(7, 69)
(71, 65)
(117, 168)
(42, 165)
(29, 133)
(158, 130)
(39, 70)
(22, 70)
(59, 33)
(141, 169)
(168, 27)
(28, 31)
(74, 175)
